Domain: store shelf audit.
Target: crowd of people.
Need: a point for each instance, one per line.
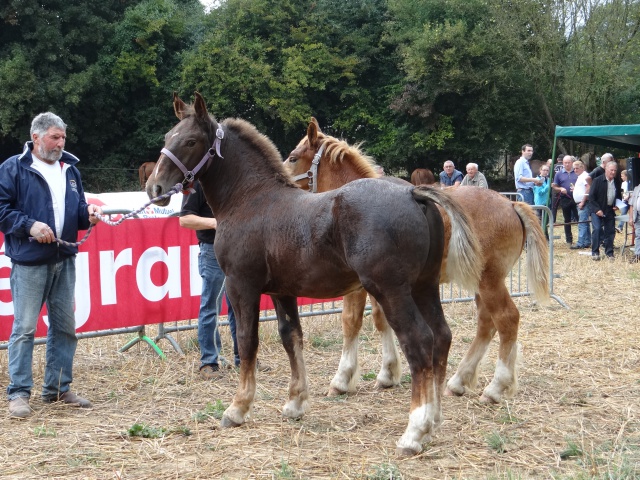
(589, 199)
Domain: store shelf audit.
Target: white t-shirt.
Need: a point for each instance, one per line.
(55, 177)
(580, 188)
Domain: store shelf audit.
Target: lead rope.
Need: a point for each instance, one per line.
(177, 188)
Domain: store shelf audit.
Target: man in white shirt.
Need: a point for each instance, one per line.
(581, 196)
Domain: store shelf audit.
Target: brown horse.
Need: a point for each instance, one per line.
(144, 172)
(274, 238)
(502, 228)
(422, 176)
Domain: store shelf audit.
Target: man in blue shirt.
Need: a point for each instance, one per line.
(563, 184)
(450, 177)
(523, 175)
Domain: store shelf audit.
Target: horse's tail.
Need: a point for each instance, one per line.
(464, 263)
(537, 253)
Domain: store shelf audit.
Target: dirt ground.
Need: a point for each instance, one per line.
(575, 415)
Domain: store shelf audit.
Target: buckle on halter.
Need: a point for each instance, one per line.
(189, 176)
(219, 133)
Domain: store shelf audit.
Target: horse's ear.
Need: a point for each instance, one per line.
(178, 106)
(312, 131)
(200, 107)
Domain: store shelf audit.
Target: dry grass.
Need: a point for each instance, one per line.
(574, 417)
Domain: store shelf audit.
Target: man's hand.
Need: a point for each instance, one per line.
(93, 210)
(42, 232)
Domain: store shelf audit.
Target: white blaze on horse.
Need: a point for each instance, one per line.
(321, 163)
(276, 239)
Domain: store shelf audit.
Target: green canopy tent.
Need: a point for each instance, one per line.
(624, 137)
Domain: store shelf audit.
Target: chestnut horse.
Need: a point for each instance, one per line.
(422, 176)
(144, 172)
(502, 227)
(274, 238)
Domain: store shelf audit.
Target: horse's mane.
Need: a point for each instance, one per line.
(263, 146)
(339, 151)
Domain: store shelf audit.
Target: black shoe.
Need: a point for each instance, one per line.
(595, 258)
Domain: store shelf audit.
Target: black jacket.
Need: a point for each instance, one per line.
(598, 193)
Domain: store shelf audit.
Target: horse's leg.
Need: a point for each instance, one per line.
(506, 319)
(291, 336)
(247, 323)
(431, 309)
(466, 376)
(417, 342)
(496, 312)
(345, 379)
(390, 372)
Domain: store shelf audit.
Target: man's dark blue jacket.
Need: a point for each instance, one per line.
(25, 198)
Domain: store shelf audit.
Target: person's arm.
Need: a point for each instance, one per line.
(593, 201)
(519, 178)
(585, 199)
(195, 222)
(483, 181)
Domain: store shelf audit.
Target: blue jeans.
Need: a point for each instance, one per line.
(623, 211)
(603, 230)
(527, 195)
(212, 283)
(31, 287)
(584, 229)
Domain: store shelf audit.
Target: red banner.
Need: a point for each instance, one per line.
(144, 271)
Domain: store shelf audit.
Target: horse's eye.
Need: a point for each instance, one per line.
(191, 143)
(292, 160)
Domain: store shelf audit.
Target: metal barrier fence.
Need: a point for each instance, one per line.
(517, 284)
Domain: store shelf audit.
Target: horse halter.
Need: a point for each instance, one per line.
(189, 176)
(312, 173)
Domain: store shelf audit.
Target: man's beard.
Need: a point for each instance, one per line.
(49, 155)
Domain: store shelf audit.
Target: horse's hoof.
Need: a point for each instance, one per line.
(406, 452)
(334, 392)
(450, 393)
(295, 409)
(226, 422)
(488, 400)
(383, 386)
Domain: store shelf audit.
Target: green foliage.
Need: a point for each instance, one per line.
(417, 82)
(384, 471)
(572, 450)
(146, 431)
(212, 410)
(285, 472)
(497, 442)
(324, 342)
(44, 431)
